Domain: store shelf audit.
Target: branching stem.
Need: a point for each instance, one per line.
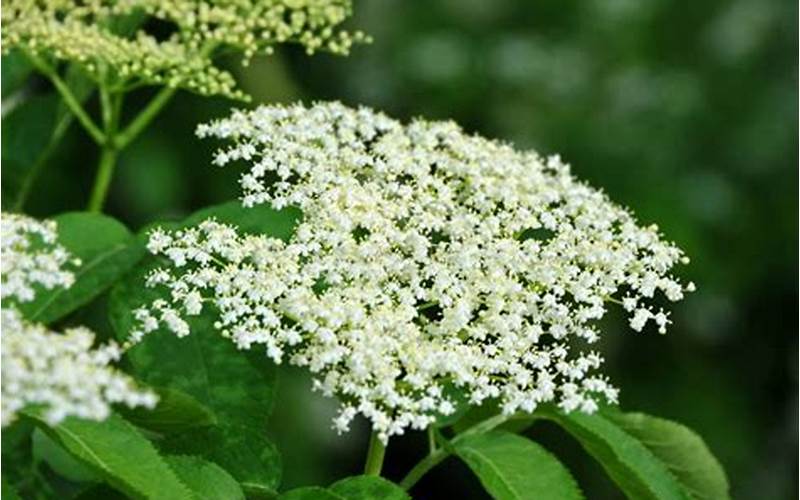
(436, 457)
(144, 118)
(69, 98)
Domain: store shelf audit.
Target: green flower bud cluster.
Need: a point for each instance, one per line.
(190, 32)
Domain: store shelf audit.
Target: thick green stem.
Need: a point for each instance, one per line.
(431, 440)
(105, 170)
(375, 454)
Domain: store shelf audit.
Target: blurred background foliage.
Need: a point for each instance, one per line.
(684, 111)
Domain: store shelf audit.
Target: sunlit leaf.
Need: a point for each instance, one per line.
(513, 467)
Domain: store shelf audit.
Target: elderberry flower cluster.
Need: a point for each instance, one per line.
(426, 259)
(31, 257)
(61, 373)
(103, 36)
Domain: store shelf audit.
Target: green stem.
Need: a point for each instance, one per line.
(111, 105)
(144, 118)
(106, 107)
(435, 458)
(422, 468)
(69, 98)
(431, 440)
(375, 454)
(105, 170)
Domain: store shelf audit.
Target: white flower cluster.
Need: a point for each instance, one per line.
(60, 372)
(425, 259)
(31, 257)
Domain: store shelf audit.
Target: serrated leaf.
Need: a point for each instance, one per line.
(637, 472)
(246, 453)
(176, 411)
(513, 467)
(310, 493)
(684, 453)
(116, 451)
(107, 251)
(45, 449)
(236, 386)
(360, 487)
(206, 479)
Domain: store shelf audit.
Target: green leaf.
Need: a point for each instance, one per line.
(26, 133)
(176, 411)
(637, 472)
(310, 493)
(350, 488)
(17, 451)
(260, 219)
(116, 451)
(206, 479)
(361, 487)
(16, 70)
(244, 452)
(513, 467)
(48, 451)
(107, 251)
(236, 386)
(683, 452)
(8, 492)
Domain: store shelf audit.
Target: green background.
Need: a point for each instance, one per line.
(684, 111)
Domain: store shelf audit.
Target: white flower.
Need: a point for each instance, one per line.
(31, 258)
(62, 372)
(59, 371)
(425, 258)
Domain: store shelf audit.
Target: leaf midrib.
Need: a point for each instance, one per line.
(494, 468)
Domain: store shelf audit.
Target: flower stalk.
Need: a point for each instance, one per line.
(105, 170)
(375, 455)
